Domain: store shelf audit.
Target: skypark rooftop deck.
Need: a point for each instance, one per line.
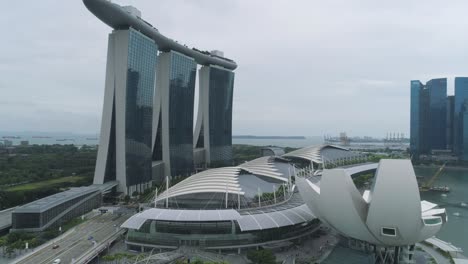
(119, 17)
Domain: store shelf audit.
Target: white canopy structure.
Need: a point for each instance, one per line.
(226, 179)
(254, 203)
(322, 153)
(247, 221)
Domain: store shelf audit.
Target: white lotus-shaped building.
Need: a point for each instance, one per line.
(391, 213)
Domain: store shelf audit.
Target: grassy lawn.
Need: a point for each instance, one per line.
(42, 184)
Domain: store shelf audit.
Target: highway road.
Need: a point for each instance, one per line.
(78, 242)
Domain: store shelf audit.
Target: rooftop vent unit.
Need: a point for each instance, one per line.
(132, 11)
(217, 53)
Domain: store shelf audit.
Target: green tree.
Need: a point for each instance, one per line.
(9, 250)
(43, 162)
(3, 244)
(264, 256)
(19, 245)
(198, 261)
(108, 258)
(33, 243)
(126, 199)
(49, 234)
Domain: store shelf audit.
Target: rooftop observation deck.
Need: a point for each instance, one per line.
(119, 17)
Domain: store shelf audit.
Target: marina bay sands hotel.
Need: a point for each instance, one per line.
(147, 129)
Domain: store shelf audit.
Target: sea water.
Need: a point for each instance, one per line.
(455, 202)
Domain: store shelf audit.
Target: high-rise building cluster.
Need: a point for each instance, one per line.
(439, 122)
(148, 131)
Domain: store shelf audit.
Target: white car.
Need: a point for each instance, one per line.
(57, 261)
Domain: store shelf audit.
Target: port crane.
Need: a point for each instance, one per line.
(428, 185)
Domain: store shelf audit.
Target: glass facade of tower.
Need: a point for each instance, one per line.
(415, 119)
(449, 132)
(464, 132)
(429, 108)
(181, 102)
(221, 85)
(461, 94)
(437, 89)
(110, 172)
(141, 65)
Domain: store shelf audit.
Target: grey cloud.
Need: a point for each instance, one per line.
(305, 67)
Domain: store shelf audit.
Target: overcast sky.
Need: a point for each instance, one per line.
(305, 67)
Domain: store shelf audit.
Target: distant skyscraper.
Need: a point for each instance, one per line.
(124, 152)
(449, 132)
(213, 130)
(437, 89)
(428, 116)
(461, 94)
(464, 131)
(175, 91)
(416, 117)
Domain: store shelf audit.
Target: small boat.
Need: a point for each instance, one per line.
(456, 214)
(463, 204)
(443, 195)
(11, 137)
(440, 189)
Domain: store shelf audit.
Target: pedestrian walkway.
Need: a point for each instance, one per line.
(445, 246)
(439, 258)
(341, 255)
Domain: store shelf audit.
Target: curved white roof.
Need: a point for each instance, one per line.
(312, 153)
(389, 214)
(395, 201)
(264, 166)
(222, 180)
(247, 222)
(226, 179)
(214, 180)
(266, 220)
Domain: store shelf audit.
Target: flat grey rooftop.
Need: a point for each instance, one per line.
(51, 201)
